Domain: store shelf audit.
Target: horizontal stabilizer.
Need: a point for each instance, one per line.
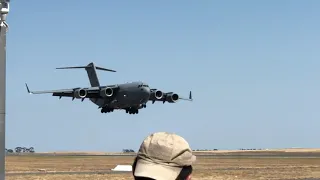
(90, 65)
(104, 69)
(73, 67)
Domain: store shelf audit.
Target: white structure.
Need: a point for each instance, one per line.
(124, 168)
(4, 5)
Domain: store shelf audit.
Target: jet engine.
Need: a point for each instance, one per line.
(172, 98)
(157, 94)
(106, 92)
(80, 93)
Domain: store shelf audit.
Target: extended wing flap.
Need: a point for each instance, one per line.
(64, 94)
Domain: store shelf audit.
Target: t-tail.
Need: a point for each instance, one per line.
(91, 71)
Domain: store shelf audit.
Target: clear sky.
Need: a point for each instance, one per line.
(253, 68)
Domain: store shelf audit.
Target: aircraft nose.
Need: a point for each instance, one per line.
(145, 94)
(147, 90)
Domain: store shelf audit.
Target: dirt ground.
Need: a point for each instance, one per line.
(209, 167)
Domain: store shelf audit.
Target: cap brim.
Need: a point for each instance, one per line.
(156, 171)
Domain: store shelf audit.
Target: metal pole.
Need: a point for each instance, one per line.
(2, 101)
(3, 42)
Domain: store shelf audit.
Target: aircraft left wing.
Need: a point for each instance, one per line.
(79, 93)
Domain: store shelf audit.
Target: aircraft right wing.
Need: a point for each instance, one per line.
(79, 93)
(171, 97)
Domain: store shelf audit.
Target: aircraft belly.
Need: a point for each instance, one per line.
(127, 99)
(124, 98)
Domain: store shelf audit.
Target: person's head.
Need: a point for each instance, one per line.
(163, 156)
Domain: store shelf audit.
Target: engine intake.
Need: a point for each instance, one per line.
(158, 94)
(172, 98)
(80, 93)
(106, 92)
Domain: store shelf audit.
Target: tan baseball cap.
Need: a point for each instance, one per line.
(162, 155)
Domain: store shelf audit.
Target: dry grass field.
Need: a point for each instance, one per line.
(207, 167)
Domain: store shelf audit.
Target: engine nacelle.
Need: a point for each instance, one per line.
(172, 98)
(106, 92)
(80, 93)
(157, 94)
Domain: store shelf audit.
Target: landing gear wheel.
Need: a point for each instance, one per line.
(106, 110)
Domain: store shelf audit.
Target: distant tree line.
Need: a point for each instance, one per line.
(20, 150)
(127, 150)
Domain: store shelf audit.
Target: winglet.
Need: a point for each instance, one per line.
(28, 89)
(188, 99)
(190, 96)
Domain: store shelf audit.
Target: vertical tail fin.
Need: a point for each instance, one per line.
(91, 71)
(92, 75)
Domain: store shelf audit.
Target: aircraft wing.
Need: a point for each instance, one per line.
(90, 92)
(171, 97)
(187, 99)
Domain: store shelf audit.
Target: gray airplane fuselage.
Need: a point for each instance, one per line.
(129, 95)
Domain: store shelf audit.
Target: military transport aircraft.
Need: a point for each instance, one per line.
(128, 96)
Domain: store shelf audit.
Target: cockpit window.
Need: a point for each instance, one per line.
(143, 85)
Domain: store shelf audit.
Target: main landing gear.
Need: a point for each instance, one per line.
(106, 110)
(132, 110)
(129, 110)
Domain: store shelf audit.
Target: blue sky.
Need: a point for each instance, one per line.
(253, 68)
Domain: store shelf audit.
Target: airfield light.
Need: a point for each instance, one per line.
(4, 11)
